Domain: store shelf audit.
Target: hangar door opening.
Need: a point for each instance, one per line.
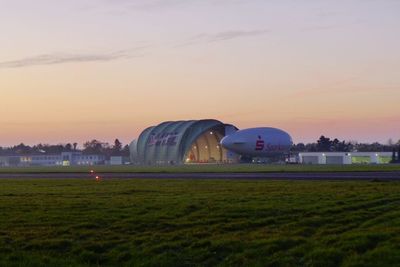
(310, 159)
(335, 160)
(207, 148)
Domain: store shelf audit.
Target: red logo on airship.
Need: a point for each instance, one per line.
(260, 144)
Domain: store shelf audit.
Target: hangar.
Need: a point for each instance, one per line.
(178, 142)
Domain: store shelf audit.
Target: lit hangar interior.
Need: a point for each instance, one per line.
(180, 142)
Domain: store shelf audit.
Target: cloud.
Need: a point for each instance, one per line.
(61, 58)
(229, 35)
(221, 36)
(145, 5)
(161, 4)
(332, 26)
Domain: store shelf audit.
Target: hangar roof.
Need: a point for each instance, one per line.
(168, 142)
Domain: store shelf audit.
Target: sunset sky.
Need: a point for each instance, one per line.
(82, 69)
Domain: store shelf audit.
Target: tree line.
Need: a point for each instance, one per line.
(323, 144)
(90, 147)
(326, 144)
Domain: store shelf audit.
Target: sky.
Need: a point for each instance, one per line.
(72, 71)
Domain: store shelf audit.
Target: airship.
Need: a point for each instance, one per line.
(258, 142)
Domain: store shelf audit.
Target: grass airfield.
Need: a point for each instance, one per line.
(207, 168)
(199, 223)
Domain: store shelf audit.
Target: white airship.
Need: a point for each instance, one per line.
(258, 142)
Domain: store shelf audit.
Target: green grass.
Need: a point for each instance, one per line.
(211, 168)
(199, 223)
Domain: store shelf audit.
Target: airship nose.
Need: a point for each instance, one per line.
(226, 142)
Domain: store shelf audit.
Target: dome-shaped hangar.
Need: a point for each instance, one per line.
(195, 141)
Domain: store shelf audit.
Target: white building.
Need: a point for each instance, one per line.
(345, 158)
(63, 159)
(116, 160)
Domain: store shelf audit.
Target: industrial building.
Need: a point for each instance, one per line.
(63, 159)
(194, 141)
(345, 158)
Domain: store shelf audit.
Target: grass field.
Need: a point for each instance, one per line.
(199, 223)
(211, 168)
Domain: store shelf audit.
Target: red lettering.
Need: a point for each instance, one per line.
(260, 144)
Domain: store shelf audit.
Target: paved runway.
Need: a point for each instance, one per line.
(228, 176)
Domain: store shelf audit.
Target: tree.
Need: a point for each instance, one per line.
(376, 147)
(75, 145)
(68, 147)
(22, 149)
(125, 151)
(393, 156)
(311, 147)
(390, 142)
(335, 144)
(343, 147)
(324, 144)
(300, 147)
(94, 147)
(398, 155)
(50, 149)
(117, 147)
